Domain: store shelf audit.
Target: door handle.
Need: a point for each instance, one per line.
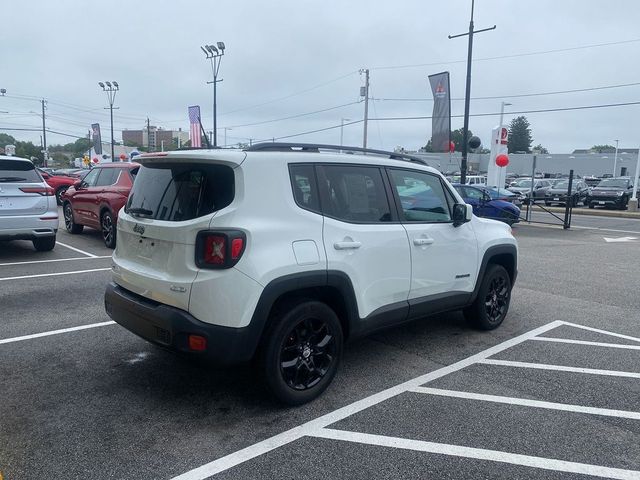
(422, 241)
(346, 245)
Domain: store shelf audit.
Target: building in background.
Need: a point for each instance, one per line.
(155, 138)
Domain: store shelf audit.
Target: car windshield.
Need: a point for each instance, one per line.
(499, 192)
(614, 182)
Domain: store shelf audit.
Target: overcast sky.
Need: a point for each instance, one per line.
(288, 58)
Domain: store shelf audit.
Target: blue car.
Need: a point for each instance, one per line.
(488, 203)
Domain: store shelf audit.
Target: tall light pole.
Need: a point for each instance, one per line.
(364, 92)
(111, 88)
(465, 134)
(225, 134)
(342, 120)
(214, 55)
(504, 104)
(615, 159)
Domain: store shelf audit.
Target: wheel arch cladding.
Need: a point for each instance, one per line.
(504, 255)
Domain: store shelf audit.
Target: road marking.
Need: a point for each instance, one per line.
(604, 229)
(54, 260)
(55, 332)
(565, 407)
(76, 249)
(604, 332)
(54, 274)
(558, 368)
(313, 426)
(585, 342)
(620, 239)
(478, 453)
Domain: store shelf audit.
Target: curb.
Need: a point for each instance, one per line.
(590, 211)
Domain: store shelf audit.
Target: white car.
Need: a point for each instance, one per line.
(28, 209)
(281, 252)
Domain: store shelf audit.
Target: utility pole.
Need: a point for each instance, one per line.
(364, 91)
(44, 137)
(214, 54)
(615, 158)
(465, 136)
(342, 120)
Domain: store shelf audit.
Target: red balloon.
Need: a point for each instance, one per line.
(123, 157)
(95, 159)
(502, 160)
(452, 147)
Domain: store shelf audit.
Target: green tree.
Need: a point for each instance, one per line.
(456, 138)
(29, 150)
(541, 149)
(603, 148)
(520, 138)
(6, 140)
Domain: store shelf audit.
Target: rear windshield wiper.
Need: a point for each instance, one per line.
(140, 211)
(12, 179)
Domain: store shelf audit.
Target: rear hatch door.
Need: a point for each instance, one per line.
(21, 189)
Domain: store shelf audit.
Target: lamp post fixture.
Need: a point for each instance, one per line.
(111, 88)
(504, 104)
(214, 55)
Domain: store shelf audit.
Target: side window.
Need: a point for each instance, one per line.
(354, 194)
(305, 187)
(422, 196)
(474, 193)
(108, 176)
(91, 177)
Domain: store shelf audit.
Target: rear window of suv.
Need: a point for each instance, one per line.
(18, 171)
(179, 192)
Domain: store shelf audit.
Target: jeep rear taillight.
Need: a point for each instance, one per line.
(219, 248)
(44, 191)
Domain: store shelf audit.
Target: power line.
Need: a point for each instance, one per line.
(521, 95)
(294, 116)
(515, 55)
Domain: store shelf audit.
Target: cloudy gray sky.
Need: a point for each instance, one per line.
(288, 58)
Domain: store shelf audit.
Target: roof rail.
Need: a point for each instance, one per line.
(315, 147)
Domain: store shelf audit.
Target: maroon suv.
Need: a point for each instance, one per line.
(96, 200)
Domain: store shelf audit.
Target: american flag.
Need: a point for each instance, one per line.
(194, 123)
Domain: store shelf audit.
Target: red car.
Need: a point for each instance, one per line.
(96, 200)
(59, 183)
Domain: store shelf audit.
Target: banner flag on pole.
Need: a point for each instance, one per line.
(194, 126)
(441, 117)
(97, 139)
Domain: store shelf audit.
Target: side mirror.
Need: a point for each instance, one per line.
(462, 213)
(77, 184)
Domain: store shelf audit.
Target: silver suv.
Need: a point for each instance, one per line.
(28, 209)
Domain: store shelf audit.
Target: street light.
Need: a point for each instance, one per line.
(504, 104)
(615, 160)
(342, 120)
(111, 90)
(214, 55)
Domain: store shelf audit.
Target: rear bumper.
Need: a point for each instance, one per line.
(170, 327)
(28, 227)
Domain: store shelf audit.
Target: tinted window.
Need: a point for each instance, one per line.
(305, 187)
(354, 194)
(474, 193)
(108, 176)
(91, 177)
(422, 196)
(18, 171)
(178, 192)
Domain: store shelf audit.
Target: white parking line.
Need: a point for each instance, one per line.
(604, 332)
(585, 342)
(559, 368)
(54, 274)
(55, 260)
(55, 332)
(76, 249)
(314, 426)
(525, 402)
(478, 453)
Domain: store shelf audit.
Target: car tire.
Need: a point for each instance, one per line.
(44, 244)
(69, 222)
(624, 202)
(108, 229)
(548, 204)
(299, 335)
(492, 303)
(590, 205)
(59, 193)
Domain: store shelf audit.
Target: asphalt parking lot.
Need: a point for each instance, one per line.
(553, 394)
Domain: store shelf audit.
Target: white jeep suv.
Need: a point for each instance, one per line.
(281, 252)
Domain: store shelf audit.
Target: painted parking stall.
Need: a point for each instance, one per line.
(399, 416)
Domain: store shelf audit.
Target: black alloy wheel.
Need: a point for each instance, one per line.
(59, 193)
(307, 353)
(491, 305)
(69, 223)
(108, 229)
(301, 350)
